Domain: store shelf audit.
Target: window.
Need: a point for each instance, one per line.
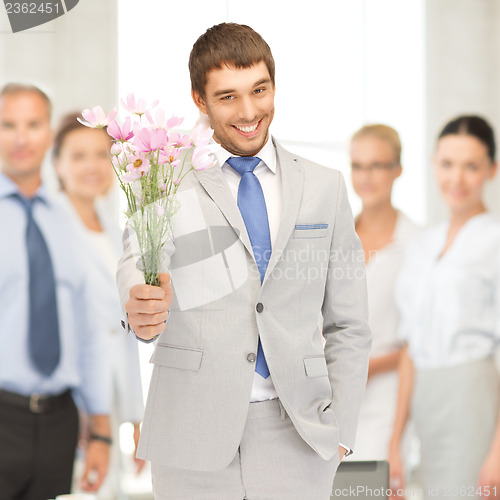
(339, 65)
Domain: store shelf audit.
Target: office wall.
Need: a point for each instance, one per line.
(462, 76)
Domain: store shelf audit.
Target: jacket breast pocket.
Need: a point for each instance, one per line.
(315, 366)
(183, 358)
(303, 231)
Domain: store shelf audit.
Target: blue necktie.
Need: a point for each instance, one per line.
(252, 206)
(43, 332)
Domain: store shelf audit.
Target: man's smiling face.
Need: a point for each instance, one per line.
(240, 105)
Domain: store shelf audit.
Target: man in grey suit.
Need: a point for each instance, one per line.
(260, 370)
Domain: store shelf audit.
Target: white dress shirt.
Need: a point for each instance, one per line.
(450, 304)
(267, 172)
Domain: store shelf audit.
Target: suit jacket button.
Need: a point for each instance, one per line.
(251, 356)
(259, 307)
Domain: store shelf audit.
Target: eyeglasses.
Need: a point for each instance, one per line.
(377, 167)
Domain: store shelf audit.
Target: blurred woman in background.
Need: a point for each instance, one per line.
(375, 152)
(449, 298)
(80, 157)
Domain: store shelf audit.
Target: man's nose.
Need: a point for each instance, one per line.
(21, 137)
(247, 110)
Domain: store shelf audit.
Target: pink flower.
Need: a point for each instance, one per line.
(159, 209)
(137, 167)
(167, 157)
(180, 142)
(147, 140)
(177, 181)
(201, 135)
(116, 149)
(161, 122)
(96, 118)
(123, 133)
(136, 106)
(202, 158)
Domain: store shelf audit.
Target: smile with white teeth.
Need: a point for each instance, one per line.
(247, 128)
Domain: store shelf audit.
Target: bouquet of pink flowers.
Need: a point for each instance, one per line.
(150, 160)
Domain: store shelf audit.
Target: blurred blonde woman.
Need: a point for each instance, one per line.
(375, 152)
(449, 297)
(80, 157)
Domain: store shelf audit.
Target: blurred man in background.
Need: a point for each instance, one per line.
(49, 353)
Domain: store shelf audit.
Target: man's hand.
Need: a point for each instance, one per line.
(148, 307)
(342, 452)
(96, 465)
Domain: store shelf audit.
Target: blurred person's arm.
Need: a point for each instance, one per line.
(489, 476)
(139, 463)
(97, 453)
(385, 363)
(406, 376)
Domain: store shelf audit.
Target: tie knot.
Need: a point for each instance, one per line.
(243, 164)
(27, 203)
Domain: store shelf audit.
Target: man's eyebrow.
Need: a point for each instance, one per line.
(221, 92)
(262, 82)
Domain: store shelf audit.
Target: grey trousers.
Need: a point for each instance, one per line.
(272, 462)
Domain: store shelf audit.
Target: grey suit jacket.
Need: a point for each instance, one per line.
(203, 363)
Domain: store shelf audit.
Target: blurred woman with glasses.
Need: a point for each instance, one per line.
(375, 152)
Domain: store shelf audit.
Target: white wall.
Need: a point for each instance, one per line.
(463, 76)
(73, 59)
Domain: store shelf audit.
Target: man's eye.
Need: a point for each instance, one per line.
(258, 91)
(227, 98)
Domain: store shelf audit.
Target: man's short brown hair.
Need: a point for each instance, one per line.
(227, 44)
(19, 88)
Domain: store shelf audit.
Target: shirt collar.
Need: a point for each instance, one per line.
(8, 187)
(267, 154)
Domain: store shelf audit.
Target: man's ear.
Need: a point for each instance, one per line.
(199, 101)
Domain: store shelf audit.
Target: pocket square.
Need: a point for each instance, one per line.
(307, 231)
(306, 227)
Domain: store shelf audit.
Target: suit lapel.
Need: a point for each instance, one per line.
(292, 178)
(292, 185)
(212, 181)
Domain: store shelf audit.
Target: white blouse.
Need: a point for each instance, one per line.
(450, 305)
(381, 274)
(376, 419)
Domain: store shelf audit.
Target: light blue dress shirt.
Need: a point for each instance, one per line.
(81, 366)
